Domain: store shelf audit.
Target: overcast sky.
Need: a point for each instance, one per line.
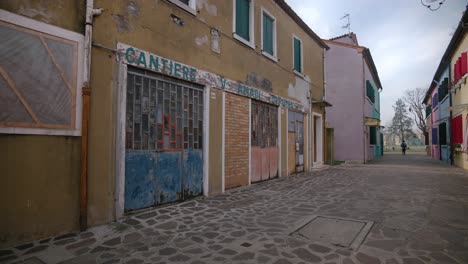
(406, 39)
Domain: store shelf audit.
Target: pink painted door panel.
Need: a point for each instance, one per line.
(265, 164)
(273, 154)
(256, 164)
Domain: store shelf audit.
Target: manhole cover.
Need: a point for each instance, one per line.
(335, 231)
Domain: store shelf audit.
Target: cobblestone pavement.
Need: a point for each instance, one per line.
(418, 206)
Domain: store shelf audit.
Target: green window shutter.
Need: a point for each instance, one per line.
(370, 91)
(297, 55)
(268, 34)
(372, 135)
(243, 19)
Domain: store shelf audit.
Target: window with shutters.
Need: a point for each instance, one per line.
(187, 5)
(456, 127)
(268, 35)
(370, 92)
(428, 110)
(443, 134)
(443, 89)
(373, 135)
(435, 101)
(434, 136)
(243, 22)
(297, 55)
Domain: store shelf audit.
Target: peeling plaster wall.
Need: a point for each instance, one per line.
(67, 14)
(162, 28)
(39, 182)
(300, 90)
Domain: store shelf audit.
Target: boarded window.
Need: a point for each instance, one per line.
(268, 37)
(264, 124)
(457, 129)
(297, 46)
(38, 79)
(163, 113)
(372, 135)
(243, 18)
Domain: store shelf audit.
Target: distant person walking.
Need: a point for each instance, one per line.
(403, 147)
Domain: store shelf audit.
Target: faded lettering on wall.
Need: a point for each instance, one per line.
(139, 58)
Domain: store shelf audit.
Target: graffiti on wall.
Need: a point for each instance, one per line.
(133, 56)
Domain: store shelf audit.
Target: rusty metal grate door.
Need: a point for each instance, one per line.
(164, 140)
(296, 142)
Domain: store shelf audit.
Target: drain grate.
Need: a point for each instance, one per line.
(339, 232)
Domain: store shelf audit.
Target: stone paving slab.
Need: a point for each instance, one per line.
(418, 206)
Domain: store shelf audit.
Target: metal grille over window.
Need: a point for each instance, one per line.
(37, 79)
(163, 113)
(264, 125)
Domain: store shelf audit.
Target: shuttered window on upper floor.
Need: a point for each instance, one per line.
(370, 92)
(435, 101)
(268, 34)
(443, 89)
(297, 52)
(428, 110)
(243, 19)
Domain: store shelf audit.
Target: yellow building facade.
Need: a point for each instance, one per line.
(187, 98)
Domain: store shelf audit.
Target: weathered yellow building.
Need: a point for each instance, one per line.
(186, 98)
(457, 57)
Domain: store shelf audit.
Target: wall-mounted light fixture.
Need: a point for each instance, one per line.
(177, 20)
(432, 5)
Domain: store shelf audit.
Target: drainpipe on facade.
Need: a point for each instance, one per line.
(86, 93)
(363, 106)
(324, 119)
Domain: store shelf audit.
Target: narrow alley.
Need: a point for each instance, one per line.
(398, 209)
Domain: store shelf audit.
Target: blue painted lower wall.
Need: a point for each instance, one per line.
(154, 178)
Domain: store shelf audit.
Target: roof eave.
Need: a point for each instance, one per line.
(296, 18)
(456, 39)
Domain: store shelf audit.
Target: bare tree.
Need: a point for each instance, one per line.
(414, 99)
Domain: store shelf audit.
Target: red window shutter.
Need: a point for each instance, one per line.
(457, 130)
(458, 69)
(463, 64)
(455, 72)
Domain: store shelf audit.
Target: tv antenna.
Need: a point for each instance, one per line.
(348, 25)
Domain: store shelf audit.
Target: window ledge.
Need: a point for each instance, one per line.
(184, 7)
(299, 73)
(269, 56)
(243, 41)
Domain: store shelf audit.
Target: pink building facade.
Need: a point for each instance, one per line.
(353, 88)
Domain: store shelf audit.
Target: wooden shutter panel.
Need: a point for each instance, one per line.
(297, 55)
(268, 34)
(463, 66)
(243, 19)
